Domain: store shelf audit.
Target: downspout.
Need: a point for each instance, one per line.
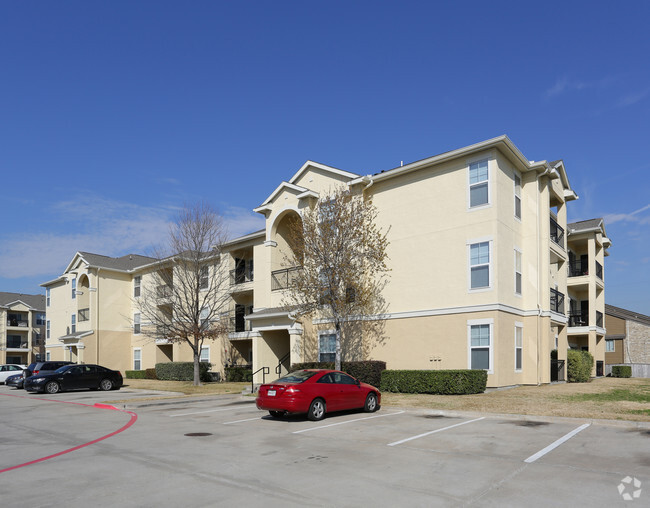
(97, 318)
(370, 181)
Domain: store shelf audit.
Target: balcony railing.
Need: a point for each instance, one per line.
(239, 324)
(164, 291)
(17, 322)
(579, 318)
(599, 270)
(241, 276)
(557, 301)
(577, 268)
(83, 315)
(16, 343)
(557, 233)
(282, 279)
(599, 319)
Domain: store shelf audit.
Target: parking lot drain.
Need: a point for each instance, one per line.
(530, 424)
(198, 434)
(436, 416)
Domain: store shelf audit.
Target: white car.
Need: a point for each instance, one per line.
(9, 370)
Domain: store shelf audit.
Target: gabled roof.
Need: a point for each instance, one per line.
(302, 190)
(36, 302)
(122, 264)
(588, 226)
(627, 314)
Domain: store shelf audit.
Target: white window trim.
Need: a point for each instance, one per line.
(515, 195)
(518, 250)
(613, 343)
(133, 358)
(137, 324)
(201, 354)
(207, 287)
(48, 326)
(490, 265)
(324, 332)
(519, 326)
(474, 322)
(48, 297)
(489, 184)
(73, 283)
(137, 283)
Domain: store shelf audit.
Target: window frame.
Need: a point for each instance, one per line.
(481, 322)
(74, 288)
(517, 195)
(201, 359)
(137, 286)
(48, 297)
(139, 359)
(321, 334)
(48, 327)
(489, 264)
(471, 185)
(73, 323)
(519, 330)
(609, 342)
(519, 254)
(204, 278)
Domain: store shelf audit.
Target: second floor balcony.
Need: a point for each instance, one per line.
(15, 342)
(557, 233)
(282, 279)
(83, 315)
(241, 275)
(557, 301)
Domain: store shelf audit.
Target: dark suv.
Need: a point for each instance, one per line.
(35, 368)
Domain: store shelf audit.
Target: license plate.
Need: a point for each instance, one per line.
(271, 393)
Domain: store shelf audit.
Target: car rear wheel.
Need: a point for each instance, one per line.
(276, 414)
(371, 403)
(106, 384)
(52, 387)
(316, 410)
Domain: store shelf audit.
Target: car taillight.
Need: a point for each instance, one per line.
(35, 372)
(292, 390)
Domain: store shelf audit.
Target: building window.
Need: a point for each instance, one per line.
(136, 286)
(519, 345)
(47, 330)
(137, 359)
(47, 297)
(136, 323)
(73, 323)
(327, 347)
(517, 272)
(74, 288)
(480, 344)
(610, 346)
(205, 354)
(47, 356)
(204, 277)
(479, 187)
(479, 260)
(40, 318)
(517, 196)
(204, 317)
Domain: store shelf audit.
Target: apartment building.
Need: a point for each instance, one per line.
(628, 338)
(22, 328)
(486, 273)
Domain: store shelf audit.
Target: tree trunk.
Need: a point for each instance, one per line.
(337, 360)
(197, 357)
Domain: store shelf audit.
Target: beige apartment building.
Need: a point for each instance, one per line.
(481, 277)
(22, 328)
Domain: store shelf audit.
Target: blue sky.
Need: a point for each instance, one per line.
(115, 114)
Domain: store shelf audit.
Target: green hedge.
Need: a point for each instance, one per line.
(579, 365)
(440, 382)
(182, 371)
(238, 374)
(367, 372)
(135, 374)
(621, 371)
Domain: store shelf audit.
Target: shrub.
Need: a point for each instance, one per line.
(134, 374)
(182, 371)
(579, 365)
(238, 374)
(622, 371)
(440, 382)
(150, 374)
(367, 371)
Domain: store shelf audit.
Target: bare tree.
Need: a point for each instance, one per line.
(184, 294)
(342, 252)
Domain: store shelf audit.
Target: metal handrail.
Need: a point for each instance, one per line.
(278, 369)
(282, 279)
(557, 233)
(265, 371)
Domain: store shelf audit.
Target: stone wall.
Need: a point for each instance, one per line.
(637, 349)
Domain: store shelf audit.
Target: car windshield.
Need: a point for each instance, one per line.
(297, 377)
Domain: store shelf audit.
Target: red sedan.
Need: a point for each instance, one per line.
(316, 392)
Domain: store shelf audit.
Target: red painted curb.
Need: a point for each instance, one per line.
(133, 419)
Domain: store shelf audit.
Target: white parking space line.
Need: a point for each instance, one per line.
(557, 443)
(349, 421)
(208, 411)
(246, 420)
(434, 431)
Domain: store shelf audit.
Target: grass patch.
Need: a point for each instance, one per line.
(618, 395)
(186, 387)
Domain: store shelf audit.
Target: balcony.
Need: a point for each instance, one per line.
(557, 233)
(599, 270)
(241, 276)
(17, 322)
(238, 324)
(83, 315)
(282, 279)
(599, 319)
(579, 318)
(578, 268)
(16, 342)
(557, 301)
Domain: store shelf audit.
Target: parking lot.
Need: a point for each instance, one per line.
(221, 450)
